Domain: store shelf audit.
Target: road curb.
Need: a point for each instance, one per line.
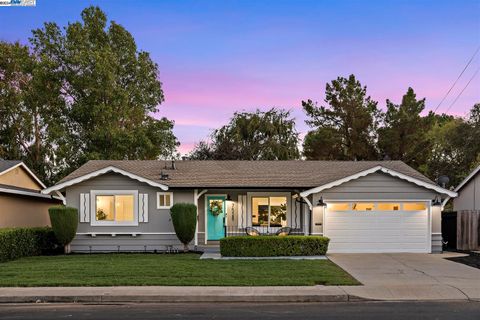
(177, 298)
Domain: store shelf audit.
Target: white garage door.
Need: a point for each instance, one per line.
(377, 227)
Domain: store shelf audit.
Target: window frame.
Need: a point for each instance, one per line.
(251, 195)
(164, 194)
(93, 204)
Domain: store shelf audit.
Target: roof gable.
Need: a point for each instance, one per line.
(7, 166)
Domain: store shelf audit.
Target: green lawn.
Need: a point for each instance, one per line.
(167, 270)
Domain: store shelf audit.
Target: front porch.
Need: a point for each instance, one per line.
(234, 212)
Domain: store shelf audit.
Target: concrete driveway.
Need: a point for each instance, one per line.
(409, 276)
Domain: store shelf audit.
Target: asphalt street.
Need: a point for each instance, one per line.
(352, 310)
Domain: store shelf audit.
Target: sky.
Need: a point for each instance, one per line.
(220, 56)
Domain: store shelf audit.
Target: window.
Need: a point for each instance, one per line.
(115, 208)
(164, 200)
(269, 211)
(338, 206)
(414, 206)
(362, 206)
(386, 206)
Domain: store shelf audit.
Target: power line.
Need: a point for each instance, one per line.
(462, 90)
(461, 73)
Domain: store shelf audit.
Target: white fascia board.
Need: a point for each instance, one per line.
(29, 193)
(382, 169)
(24, 166)
(97, 173)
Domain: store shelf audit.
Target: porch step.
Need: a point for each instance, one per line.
(213, 242)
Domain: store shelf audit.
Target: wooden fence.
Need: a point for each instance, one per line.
(468, 224)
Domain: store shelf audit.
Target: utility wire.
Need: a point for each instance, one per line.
(476, 72)
(453, 85)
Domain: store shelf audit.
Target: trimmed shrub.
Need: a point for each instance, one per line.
(184, 219)
(273, 246)
(23, 242)
(64, 224)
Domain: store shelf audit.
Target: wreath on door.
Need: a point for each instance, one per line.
(216, 207)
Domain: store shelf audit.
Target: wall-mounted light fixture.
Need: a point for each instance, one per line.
(437, 201)
(321, 203)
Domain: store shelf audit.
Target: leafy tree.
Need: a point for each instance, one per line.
(30, 110)
(346, 128)
(404, 134)
(110, 90)
(269, 135)
(454, 149)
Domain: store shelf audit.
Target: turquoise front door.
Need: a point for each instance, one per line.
(215, 217)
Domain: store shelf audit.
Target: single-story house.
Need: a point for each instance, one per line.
(362, 206)
(21, 202)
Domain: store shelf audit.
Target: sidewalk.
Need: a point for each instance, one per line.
(231, 294)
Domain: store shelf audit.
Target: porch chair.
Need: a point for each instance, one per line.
(252, 231)
(285, 231)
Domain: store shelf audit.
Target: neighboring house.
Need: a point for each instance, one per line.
(468, 192)
(21, 202)
(362, 206)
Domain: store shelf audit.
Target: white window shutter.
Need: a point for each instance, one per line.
(143, 207)
(84, 207)
(242, 211)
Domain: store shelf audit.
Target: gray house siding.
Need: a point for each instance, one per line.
(156, 234)
(468, 196)
(378, 186)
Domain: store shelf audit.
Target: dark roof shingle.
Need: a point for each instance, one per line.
(220, 174)
(7, 164)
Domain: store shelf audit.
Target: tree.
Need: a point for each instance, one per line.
(269, 135)
(184, 219)
(404, 134)
(110, 90)
(454, 149)
(64, 224)
(346, 128)
(30, 110)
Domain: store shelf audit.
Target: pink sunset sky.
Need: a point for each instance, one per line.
(218, 57)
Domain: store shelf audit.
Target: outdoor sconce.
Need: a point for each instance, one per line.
(436, 201)
(321, 203)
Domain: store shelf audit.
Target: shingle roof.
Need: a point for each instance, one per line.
(220, 174)
(7, 164)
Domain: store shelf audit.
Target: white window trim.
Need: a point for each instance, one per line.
(93, 200)
(164, 194)
(250, 195)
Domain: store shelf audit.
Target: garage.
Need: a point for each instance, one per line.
(377, 226)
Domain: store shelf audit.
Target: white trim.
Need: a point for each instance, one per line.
(29, 193)
(309, 204)
(384, 170)
(93, 220)
(24, 166)
(164, 194)
(99, 172)
(460, 186)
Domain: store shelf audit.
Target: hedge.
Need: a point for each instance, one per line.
(23, 242)
(273, 246)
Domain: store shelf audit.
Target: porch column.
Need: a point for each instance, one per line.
(197, 196)
(310, 210)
